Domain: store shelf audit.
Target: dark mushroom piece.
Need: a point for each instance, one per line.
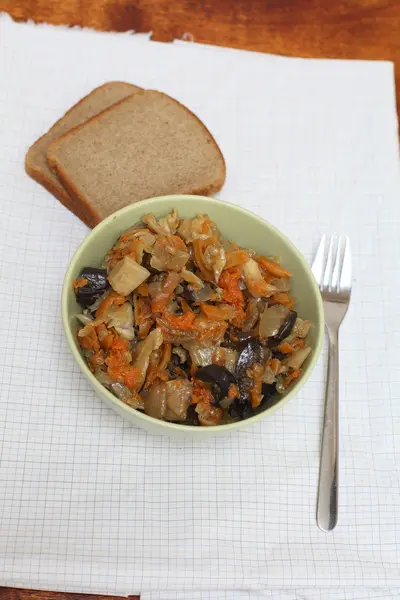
(236, 339)
(96, 286)
(176, 368)
(220, 378)
(188, 293)
(253, 352)
(192, 418)
(268, 391)
(241, 407)
(287, 327)
(177, 309)
(278, 355)
(146, 264)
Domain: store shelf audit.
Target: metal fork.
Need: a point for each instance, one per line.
(332, 271)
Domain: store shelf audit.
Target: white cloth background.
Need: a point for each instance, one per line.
(88, 503)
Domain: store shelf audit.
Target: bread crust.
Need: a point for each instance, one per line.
(76, 194)
(91, 216)
(60, 191)
(61, 194)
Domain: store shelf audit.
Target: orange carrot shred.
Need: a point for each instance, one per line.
(291, 377)
(268, 277)
(201, 394)
(233, 391)
(131, 376)
(143, 289)
(217, 313)
(273, 267)
(286, 348)
(112, 298)
(78, 283)
(232, 293)
(275, 364)
(185, 322)
(284, 299)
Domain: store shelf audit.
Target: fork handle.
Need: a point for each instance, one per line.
(327, 505)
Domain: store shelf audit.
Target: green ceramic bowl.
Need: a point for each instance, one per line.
(236, 224)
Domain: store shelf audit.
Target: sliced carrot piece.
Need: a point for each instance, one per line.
(120, 344)
(131, 376)
(90, 341)
(267, 275)
(185, 322)
(217, 313)
(286, 348)
(232, 294)
(291, 377)
(233, 391)
(229, 283)
(275, 365)
(117, 362)
(201, 394)
(112, 298)
(284, 299)
(78, 283)
(273, 267)
(133, 233)
(143, 289)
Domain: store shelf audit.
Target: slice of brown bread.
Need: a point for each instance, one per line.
(36, 160)
(143, 146)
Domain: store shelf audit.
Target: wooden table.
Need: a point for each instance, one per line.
(364, 29)
(14, 594)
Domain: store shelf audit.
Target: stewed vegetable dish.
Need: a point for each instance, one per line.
(189, 327)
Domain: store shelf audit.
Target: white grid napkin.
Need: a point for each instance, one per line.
(88, 503)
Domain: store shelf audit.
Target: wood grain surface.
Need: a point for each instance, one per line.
(16, 594)
(358, 29)
(363, 29)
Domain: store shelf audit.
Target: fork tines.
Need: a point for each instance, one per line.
(332, 267)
